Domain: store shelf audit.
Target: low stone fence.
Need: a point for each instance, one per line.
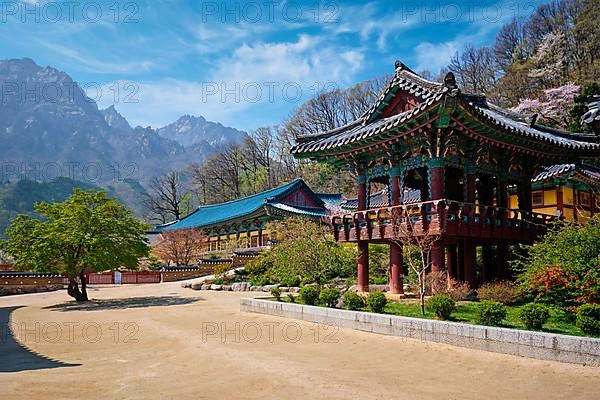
(172, 275)
(19, 283)
(543, 346)
(240, 260)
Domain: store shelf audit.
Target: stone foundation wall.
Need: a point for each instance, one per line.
(543, 346)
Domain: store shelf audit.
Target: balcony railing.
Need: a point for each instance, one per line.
(446, 217)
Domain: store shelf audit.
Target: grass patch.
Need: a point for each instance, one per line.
(466, 312)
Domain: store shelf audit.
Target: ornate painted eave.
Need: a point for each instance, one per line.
(444, 105)
(357, 134)
(406, 80)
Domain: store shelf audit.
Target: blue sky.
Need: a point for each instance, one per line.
(245, 64)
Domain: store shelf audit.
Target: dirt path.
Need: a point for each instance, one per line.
(166, 342)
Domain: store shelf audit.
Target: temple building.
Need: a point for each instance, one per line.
(464, 156)
(244, 220)
(569, 191)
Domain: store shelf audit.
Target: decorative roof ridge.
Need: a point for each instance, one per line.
(582, 136)
(516, 122)
(289, 185)
(330, 132)
(530, 120)
(403, 71)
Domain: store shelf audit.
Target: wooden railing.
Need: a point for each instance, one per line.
(448, 217)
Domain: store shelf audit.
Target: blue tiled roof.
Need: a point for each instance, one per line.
(215, 214)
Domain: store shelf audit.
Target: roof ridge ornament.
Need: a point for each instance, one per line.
(450, 81)
(400, 65)
(532, 119)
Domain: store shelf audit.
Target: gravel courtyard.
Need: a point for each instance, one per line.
(165, 342)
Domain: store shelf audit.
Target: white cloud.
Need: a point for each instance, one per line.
(433, 57)
(254, 76)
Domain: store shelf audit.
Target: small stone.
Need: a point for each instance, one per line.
(227, 288)
(196, 286)
(205, 286)
(216, 287)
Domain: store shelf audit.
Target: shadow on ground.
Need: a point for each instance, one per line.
(119, 304)
(14, 356)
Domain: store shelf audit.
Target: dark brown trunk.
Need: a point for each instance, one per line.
(73, 289)
(84, 296)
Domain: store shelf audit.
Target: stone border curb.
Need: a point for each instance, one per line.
(539, 345)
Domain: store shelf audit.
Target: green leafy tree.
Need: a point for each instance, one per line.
(563, 269)
(88, 230)
(307, 253)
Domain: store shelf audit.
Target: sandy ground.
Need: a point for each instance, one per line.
(166, 342)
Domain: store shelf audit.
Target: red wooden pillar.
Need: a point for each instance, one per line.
(437, 193)
(438, 259)
(396, 270)
(396, 260)
(363, 246)
(466, 270)
(560, 203)
(396, 189)
(500, 269)
(362, 193)
(524, 195)
(437, 183)
(363, 266)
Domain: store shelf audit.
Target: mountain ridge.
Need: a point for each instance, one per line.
(47, 120)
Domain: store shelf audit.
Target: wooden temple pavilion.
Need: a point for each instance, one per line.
(245, 220)
(463, 154)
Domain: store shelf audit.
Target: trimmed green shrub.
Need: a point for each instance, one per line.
(491, 313)
(309, 295)
(276, 292)
(353, 301)
(442, 305)
(504, 292)
(291, 298)
(329, 297)
(588, 319)
(534, 315)
(376, 301)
